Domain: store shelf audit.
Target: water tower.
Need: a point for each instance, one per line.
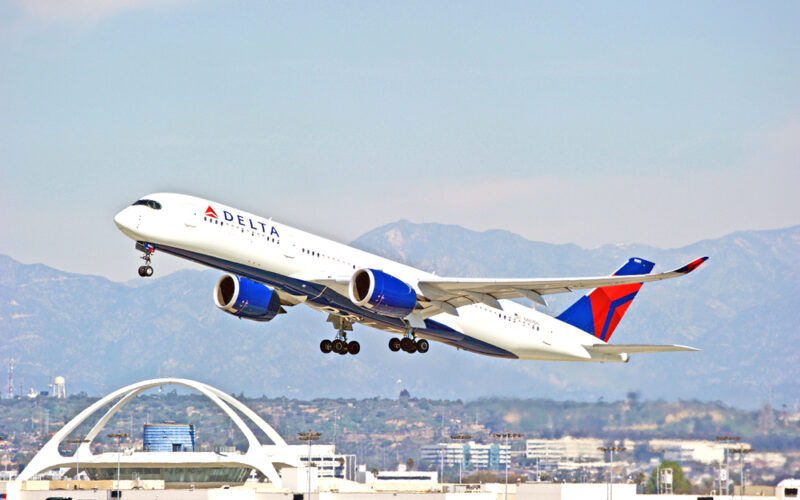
(60, 387)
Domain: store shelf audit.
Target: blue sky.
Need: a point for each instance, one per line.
(593, 123)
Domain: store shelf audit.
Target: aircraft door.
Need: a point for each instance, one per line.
(189, 215)
(547, 336)
(289, 248)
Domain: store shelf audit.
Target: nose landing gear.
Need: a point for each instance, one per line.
(147, 249)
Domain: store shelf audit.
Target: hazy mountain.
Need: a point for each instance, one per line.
(739, 308)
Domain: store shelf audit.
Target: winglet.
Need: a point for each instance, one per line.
(691, 266)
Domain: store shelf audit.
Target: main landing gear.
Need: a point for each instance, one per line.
(146, 270)
(340, 345)
(408, 344)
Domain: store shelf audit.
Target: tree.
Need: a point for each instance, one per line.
(679, 483)
(481, 476)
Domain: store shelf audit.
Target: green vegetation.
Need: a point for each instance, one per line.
(679, 483)
(385, 433)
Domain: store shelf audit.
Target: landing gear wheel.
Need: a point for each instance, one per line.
(422, 346)
(338, 346)
(412, 348)
(344, 349)
(406, 343)
(353, 348)
(326, 346)
(394, 344)
(146, 270)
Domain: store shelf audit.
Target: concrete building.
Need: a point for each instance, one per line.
(681, 450)
(401, 475)
(577, 491)
(549, 452)
(8, 475)
(469, 455)
(788, 488)
(327, 461)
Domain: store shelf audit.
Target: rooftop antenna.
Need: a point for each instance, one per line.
(10, 389)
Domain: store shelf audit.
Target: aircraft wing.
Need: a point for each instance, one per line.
(636, 348)
(338, 284)
(446, 294)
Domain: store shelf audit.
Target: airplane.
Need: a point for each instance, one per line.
(270, 266)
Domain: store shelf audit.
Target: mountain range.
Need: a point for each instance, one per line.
(739, 308)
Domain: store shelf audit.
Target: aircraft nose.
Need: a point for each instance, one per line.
(125, 220)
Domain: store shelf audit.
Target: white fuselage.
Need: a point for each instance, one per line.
(235, 240)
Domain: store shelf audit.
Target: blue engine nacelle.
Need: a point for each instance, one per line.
(381, 292)
(246, 299)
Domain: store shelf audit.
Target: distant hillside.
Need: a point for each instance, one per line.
(740, 308)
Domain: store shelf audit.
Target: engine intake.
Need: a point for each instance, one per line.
(246, 298)
(382, 292)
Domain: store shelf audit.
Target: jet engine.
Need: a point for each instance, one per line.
(381, 292)
(246, 298)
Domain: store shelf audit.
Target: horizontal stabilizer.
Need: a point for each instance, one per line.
(637, 348)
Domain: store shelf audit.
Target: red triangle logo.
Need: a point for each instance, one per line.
(211, 213)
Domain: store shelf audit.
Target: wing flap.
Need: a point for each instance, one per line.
(637, 348)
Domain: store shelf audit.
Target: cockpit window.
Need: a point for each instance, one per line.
(150, 203)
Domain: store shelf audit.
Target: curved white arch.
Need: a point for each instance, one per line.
(49, 457)
(253, 416)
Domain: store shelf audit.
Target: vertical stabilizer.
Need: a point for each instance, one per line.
(600, 311)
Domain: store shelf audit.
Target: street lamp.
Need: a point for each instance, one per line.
(118, 435)
(725, 439)
(309, 436)
(506, 436)
(460, 437)
(77, 458)
(611, 449)
(741, 451)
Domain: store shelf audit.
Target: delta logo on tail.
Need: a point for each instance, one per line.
(600, 311)
(211, 213)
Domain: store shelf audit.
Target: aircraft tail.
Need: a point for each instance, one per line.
(600, 311)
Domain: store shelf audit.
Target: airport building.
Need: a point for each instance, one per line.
(551, 452)
(327, 462)
(680, 450)
(168, 436)
(401, 475)
(169, 449)
(469, 455)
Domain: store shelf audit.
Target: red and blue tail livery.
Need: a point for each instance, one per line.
(600, 311)
(691, 266)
